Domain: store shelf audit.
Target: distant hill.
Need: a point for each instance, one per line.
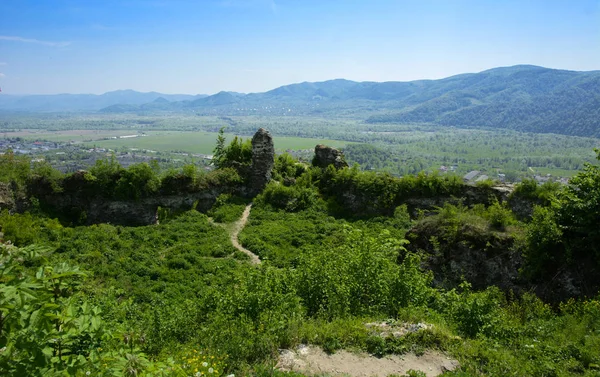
(524, 98)
(85, 102)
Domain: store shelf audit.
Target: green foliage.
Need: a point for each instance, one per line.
(237, 152)
(183, 300)
(289, 198)
(545, 251)
(184, 180)
(473, 312)
(105, 173)
(579, 209)
(499, 215)
(360, 277)
(219, 151)
(26, 229)
(530, 189)
(287, 168)
(227, 208)
(138, 181)
(44, 328)
(381, 193)
(486, 183)
(44, 172)
(13, 168)
(565, 236)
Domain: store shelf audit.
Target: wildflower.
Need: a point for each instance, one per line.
(210, 370)
(88, 373)
(197, 374)
(205, 364)
(230, 375)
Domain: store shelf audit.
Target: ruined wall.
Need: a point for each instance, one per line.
(76, 204)
(325, 156)
(263, 160)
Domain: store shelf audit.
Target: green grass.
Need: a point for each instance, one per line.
(68, 135)
(201, 142)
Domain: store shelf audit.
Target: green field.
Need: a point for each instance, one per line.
(67, 135)
(201, 142)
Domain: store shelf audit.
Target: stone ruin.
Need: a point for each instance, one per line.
(325, 156)
(263, 160)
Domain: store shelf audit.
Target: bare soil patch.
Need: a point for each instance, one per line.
(312, 360)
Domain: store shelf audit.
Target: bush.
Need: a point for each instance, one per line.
(289, 198)
(473, 312)
(499, 215)
(287, 168)
(361, 276)
(227, 208)
(138, 181)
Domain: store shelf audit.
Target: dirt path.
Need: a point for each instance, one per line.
(237, 228)
(312, 360)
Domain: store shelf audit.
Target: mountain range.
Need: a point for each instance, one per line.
(85, 102)
(525, 98)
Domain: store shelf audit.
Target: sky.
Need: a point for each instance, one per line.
(206, 46)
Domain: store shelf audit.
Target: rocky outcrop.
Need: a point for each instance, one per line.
(6, 198)
(79, 208)
(325, 156)
(263, 160)
(481, 256)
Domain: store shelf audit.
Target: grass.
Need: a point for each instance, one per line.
(201, 142)
(67, 135)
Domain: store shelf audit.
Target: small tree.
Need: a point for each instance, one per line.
(239, 151)
(219, 151)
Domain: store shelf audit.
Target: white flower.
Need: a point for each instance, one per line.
(210, 370)
(205, 364)
(88, 373)
(197, 374)
(231, 375)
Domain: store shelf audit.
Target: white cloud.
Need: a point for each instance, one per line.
(31, 40)
(2, 75)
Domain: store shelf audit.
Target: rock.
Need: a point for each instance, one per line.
(263, 160)
(6, 198)
(325, 156)
(474, 253)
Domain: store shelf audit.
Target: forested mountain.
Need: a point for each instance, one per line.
(522, 98)
(84, 102)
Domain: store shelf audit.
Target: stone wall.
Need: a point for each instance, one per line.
(263, 160)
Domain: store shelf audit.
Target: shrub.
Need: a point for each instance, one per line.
(290, 198)
(138, 181)
(499, 215)
(227, 208)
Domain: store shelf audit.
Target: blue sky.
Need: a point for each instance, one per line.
(205, 46)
